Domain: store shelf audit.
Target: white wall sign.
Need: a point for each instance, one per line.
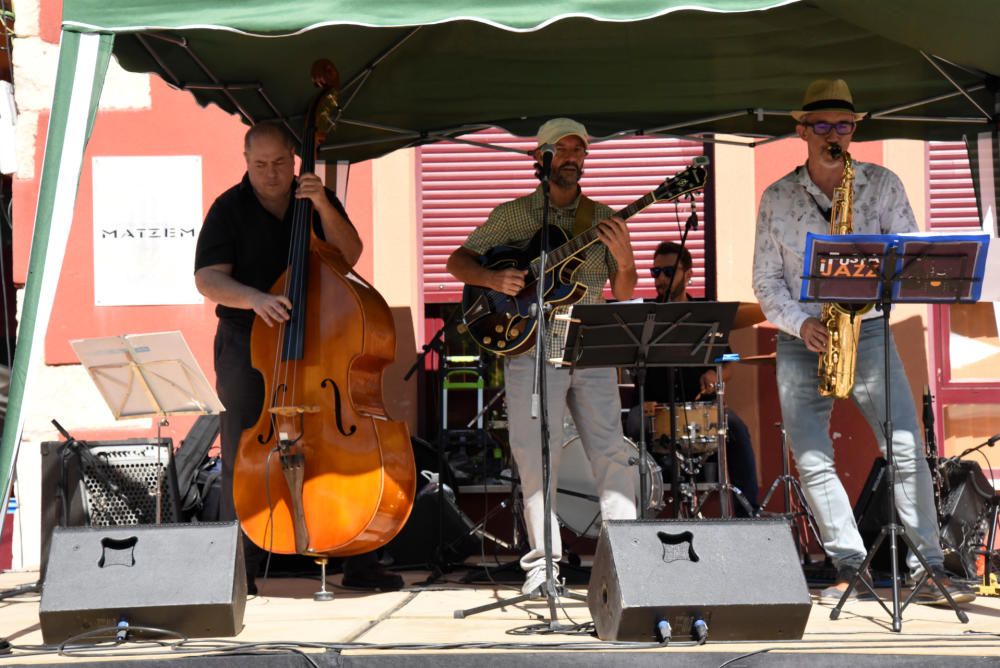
(147, 215)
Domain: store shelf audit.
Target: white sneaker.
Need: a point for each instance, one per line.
(533, 584)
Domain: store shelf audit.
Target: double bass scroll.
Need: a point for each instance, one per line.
(323, 471)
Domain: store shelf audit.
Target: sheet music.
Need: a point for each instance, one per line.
(147, 375)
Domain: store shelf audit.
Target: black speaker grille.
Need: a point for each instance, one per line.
(126, 483)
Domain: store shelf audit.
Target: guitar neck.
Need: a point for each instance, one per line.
(637, 206)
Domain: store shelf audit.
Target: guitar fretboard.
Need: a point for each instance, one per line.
(581, 241)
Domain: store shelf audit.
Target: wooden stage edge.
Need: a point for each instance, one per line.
(285, 613)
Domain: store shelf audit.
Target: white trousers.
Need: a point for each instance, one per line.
(591, 395)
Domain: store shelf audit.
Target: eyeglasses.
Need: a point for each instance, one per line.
(666, 271)
(823, 128)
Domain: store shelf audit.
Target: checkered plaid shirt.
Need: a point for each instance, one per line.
(515, 222)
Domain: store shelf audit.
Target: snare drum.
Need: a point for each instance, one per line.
(576, 506)
(697, 426)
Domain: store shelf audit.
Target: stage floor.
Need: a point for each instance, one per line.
(284, 612)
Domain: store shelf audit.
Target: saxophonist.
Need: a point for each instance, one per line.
(801, 202)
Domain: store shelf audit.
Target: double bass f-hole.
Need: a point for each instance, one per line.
(338, 408)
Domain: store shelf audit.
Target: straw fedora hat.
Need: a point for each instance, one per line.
(827, 95)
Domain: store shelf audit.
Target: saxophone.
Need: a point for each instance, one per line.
(843, 326)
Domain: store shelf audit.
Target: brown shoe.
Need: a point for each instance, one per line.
(835, 592)
(930, 593)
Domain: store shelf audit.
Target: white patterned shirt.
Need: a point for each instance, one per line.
(790, 208)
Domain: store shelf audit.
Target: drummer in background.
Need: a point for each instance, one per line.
(697, 383)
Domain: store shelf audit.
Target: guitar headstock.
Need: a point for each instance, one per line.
(691, 179)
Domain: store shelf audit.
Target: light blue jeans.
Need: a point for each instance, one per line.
(806, 416)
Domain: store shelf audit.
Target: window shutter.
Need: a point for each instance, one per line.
(459, 185)
(950, 191)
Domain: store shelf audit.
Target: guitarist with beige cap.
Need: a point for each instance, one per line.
(590, 395)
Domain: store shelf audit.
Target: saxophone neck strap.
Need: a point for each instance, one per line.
(823, 211)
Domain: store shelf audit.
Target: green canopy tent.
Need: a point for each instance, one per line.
(414, 73)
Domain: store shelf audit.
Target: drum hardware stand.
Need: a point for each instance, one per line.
(724, 487)
(907, 265)
(797, 510)
(688, 489)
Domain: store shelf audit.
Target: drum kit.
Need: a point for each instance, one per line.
(699, 429)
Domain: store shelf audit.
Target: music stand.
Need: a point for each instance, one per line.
(148, 375)
(641, 335)
(885, 269)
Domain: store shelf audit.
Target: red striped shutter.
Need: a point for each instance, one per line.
(460, 184)
(951, 196)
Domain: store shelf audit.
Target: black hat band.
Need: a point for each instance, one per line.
(828, 104)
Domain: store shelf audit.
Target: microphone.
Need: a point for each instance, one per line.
(993, 439)
(548, 152)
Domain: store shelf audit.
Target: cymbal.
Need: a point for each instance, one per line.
(760, 360)
(747, 315)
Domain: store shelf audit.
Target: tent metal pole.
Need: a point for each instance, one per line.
(954, 83)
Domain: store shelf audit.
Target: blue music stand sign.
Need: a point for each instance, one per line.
(920, 268)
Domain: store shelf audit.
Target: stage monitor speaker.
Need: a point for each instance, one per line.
(186, 578)
(741, 577)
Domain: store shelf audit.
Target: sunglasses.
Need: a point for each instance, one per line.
(666, 271)
(823, 128)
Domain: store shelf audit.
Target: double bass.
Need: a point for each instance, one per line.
(324, 471)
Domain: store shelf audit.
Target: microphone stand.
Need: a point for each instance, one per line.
(87, 459)
(539, 399)
(539, 411)
(436, 344)
(930, 442)
(678, 457)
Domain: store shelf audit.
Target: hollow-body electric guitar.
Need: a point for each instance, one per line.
(504, 324)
